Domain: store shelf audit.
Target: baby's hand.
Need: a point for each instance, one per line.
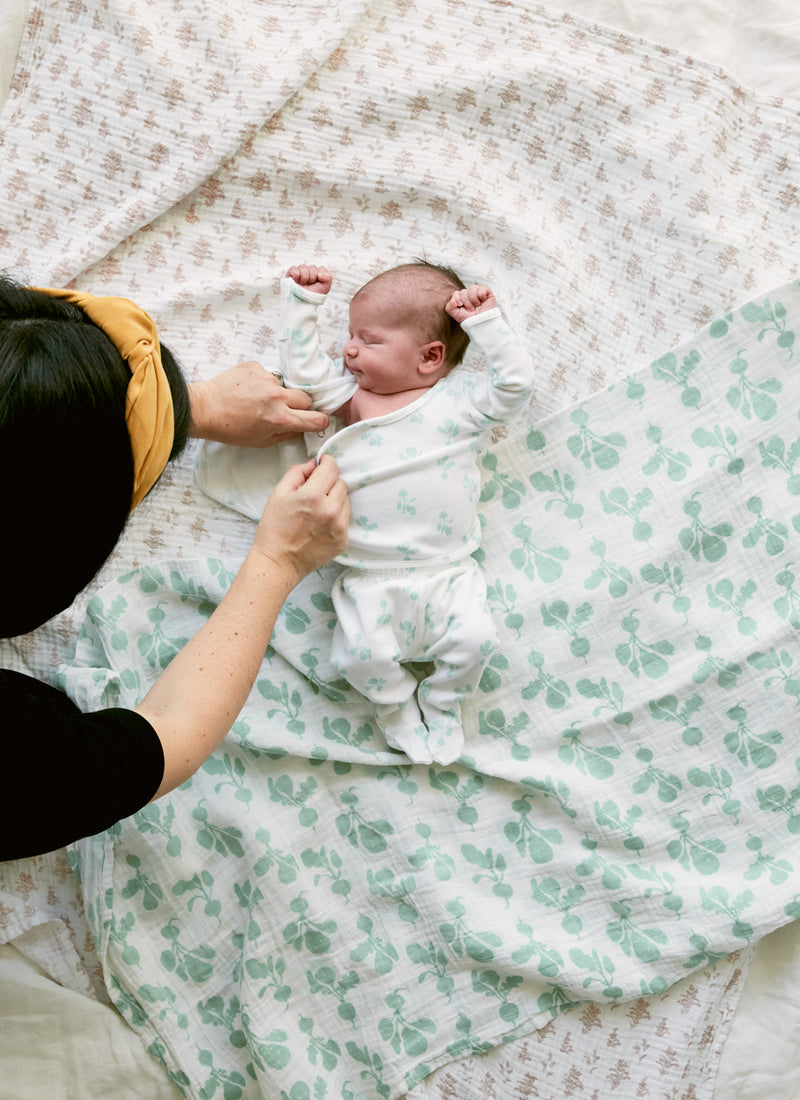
(466, 303)
(317, 279)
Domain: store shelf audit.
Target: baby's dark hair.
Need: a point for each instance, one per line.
(430, 287)
(66, 469)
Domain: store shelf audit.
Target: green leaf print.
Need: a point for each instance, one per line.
(535, 560)
(719, 900)
(644, 943)
(282, 789)
(530, 840)
(491, 984)
(668, 786)
(773, 319)
(223, 839)
(152, 893)
(549, 892)
(385, 954)
(354, 827)
(638, 656)
(491, 867)
(723, 595)
(325, 1052)
(562, 492)
(191, 964)
(444, 865)
(591, 448)
(667, 369)
(199, 887)
(327, 982)
(612, 696)
(781, 662)
(669, 580)
(750, 747)
(778, 870)
(463, 940)
(701, 540)
(556, 692)
(601, 971)
(449, 783)
(402, 1034)
(618, 502)
(590, 759)
(775, 455)
(719, 783)
(700, 855)
(158, 648)
(749, 398)
(288, 703)
(558, 615)
(774, 532)
(677, 463)
(434, 960)
(619, 577)
(724, 440)
(510, 489)
(302, 933)
(668, 709)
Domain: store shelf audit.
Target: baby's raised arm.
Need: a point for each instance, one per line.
(466, 303)
(317, 279)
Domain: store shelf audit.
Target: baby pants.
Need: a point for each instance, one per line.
(387, 621)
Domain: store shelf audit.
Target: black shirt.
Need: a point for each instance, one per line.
(67, 774)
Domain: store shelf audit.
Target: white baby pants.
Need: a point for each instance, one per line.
(387, 621)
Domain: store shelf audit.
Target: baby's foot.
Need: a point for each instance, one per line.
(445, 735)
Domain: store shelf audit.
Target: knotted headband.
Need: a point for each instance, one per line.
(148, 410)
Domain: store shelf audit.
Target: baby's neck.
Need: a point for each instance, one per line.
(364, 405)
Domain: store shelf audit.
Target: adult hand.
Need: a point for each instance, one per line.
(246, 406)
(304, 523)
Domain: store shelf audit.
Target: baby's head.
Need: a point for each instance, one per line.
(400, 335)
(417, 293)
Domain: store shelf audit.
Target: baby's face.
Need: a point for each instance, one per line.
(382, 356)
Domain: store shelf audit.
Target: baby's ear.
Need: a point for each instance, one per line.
(432, 357)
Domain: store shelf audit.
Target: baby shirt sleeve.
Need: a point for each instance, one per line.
(504, 388)
(303, 363)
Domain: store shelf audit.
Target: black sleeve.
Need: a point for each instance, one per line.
(68, 774)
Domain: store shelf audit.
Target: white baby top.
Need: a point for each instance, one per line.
(412, 475)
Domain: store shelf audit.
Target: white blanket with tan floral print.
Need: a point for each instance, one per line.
(310, 916)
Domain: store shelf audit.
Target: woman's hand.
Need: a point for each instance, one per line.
(248, 407)
(304, 523)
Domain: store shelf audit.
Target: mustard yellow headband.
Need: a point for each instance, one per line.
(148, 411)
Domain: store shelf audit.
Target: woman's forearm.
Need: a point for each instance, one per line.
(198, 697)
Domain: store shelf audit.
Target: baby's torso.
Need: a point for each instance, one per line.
(413, 482)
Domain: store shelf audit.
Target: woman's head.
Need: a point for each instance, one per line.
(66, 467)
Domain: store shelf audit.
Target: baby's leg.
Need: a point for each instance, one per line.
(463, 634)
(369, 643)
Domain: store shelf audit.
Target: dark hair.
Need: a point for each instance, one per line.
(66, 470)
(430, 286)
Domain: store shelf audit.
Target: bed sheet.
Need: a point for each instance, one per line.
(164, 532)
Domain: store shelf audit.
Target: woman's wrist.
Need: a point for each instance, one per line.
(199, 410)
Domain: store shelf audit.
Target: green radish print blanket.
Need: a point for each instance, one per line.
(311, 916)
